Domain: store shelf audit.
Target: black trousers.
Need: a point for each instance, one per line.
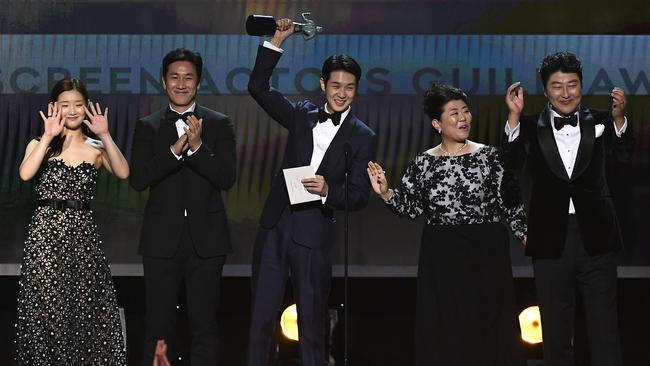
(595, 277)
(163, 278)
(275, 256)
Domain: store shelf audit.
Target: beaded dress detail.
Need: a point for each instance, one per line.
(67, 310)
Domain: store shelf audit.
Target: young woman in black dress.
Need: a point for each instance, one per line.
(67, 312)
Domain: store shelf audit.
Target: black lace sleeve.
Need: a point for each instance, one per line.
(506, 194)
(407, 198)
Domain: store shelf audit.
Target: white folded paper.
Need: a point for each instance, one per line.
(297, 192)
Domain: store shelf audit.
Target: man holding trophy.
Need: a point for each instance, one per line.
(296, 224)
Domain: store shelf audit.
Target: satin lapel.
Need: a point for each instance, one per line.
(167, 130)
(199, 111)
(305, 139)
(587, 139)
(200, 114)
(334, 152)
(548, 146)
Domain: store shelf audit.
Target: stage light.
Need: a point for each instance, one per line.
(530, 323)
(289, 322)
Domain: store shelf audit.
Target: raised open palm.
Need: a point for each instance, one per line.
(98, 121)
(53, 122)
(378, 179)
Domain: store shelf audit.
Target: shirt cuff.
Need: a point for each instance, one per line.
(178, 157)
(620, 132)
(389, 200)
(512, 133)
(270, 46)
(190, 152)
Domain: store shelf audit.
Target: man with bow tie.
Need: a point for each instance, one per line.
(573, 232)
(297, 238)
(185, 154)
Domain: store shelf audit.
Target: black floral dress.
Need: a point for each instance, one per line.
(465, 312)
(67, 311)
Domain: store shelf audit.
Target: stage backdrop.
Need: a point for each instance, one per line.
(123, 73)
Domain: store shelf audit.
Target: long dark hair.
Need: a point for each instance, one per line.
(64, 85)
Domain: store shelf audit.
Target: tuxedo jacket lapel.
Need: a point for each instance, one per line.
(548, 146)
(305, 139)
(199, 112)
(335, 150)
(587, 139)
(167, 130)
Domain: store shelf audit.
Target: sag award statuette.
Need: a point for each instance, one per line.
(264, 25)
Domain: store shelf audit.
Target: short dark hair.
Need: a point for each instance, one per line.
(438, 95)
(340, 62)
(566, 62)
(182, 54)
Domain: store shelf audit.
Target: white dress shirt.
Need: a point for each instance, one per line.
(567, 140)
(323, 134)
(180, 130)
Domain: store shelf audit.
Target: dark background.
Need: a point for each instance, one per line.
(384, 249)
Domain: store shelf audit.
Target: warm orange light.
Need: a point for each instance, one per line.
(530, 323)
(289, 322)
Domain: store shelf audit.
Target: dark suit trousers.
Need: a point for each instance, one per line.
(275, 256)
(163, 278)
(595, 277)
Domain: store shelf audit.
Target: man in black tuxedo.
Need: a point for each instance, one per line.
(297, 238)
(573, 233)
(185, 155)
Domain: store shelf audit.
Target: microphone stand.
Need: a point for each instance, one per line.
(346, 245)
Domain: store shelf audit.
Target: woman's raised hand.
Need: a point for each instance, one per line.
(53, 122)
(378, 179)
(98, 123)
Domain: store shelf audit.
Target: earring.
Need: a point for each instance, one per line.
(439, 130)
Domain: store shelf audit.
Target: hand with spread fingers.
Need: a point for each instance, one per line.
(316, 185)
(53, 122)
(378, 180)
(193, 132)
(98, 121)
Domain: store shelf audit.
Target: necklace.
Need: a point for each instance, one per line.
(455, 153)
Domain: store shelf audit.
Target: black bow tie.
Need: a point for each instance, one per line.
(563, 121)
(324, 116)
(172, 116)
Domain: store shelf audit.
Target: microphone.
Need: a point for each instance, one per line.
(264, 25)
(347, 147)
(347, 150)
